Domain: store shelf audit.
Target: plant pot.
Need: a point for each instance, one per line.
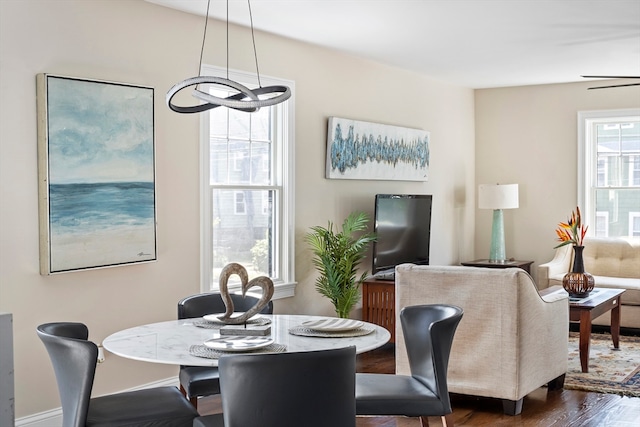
(578, 283)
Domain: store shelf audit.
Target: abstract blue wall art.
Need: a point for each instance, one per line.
(363, 150)
(96, 165)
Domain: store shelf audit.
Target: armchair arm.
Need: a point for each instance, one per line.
(543, 344)
(559, 265)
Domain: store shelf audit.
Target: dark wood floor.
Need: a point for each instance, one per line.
(563, 408)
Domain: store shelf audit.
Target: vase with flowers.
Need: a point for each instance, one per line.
(578, 283)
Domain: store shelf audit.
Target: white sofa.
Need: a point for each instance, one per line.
(510, 340)
(614, 263)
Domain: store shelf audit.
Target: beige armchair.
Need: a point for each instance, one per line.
(614, 263)
(510, 341)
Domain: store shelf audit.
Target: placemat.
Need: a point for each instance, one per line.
(200, 350)
(306, 332)
(201, 323)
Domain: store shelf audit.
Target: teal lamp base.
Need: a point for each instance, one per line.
(497, 253)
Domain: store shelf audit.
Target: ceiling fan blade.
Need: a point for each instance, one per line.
(611, 77)
(606, 87)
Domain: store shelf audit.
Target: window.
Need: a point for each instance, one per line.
(239, 206)
(247, 188)
(609, 171)
(238, 159)
(602, 224)
(634, 224)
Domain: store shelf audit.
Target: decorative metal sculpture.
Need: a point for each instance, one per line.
(263, 282)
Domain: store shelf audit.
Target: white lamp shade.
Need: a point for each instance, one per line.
(498, 196)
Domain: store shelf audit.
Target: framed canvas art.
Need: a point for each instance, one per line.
(363, 150)
(96, 165)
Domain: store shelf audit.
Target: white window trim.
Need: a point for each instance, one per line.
(586, 192)
(286, 287)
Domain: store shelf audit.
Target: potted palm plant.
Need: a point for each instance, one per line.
(337, 256)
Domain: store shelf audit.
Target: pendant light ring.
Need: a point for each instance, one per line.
(239, 101)
(244, 92)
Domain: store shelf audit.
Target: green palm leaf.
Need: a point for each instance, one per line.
(337, 256)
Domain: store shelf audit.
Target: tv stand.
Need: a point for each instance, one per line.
(379, 304)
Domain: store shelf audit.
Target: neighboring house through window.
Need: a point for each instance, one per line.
(609, 171)
(240, 208)
(247, 188)
(634, 224)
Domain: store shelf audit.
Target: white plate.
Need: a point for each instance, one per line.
(333, 325)
(236, 344)
(214, 317)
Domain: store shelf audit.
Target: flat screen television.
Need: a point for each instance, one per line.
(402, 223)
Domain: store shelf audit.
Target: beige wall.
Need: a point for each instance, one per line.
(137, 42)
(528, 136)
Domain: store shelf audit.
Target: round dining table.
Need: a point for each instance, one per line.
(170, 342)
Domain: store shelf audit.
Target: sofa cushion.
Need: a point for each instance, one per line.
(631, 294)
(612, 257)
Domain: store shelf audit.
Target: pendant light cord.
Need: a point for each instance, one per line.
(227, 39)
(253, 38)
(204, 37)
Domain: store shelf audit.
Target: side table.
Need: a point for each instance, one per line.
(584, 310)
(379, 304)
(525, 265)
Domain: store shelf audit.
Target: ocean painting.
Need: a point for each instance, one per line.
(363, 150)
(97, 170)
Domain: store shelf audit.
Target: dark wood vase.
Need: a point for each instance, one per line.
(578, 283)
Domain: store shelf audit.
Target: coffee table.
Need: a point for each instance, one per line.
(584, 310)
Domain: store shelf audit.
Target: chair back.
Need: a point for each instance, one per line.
(209, 303)
(428, 334)
(311, 389)
(74, 363)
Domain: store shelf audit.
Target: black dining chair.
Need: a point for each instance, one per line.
(304, 389)
(197, 381)
(74, 360)
(428, 332)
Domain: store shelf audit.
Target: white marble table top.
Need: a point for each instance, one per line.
(168, 342)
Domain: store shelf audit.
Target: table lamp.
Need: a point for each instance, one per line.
(497, 197)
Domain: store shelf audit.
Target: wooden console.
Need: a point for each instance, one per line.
(378, 304)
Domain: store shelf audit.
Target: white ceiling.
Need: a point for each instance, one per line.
(471, 43)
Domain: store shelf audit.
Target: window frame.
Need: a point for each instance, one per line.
(588, 171)
(284, 174)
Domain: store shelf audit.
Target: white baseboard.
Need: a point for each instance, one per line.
(53, 418)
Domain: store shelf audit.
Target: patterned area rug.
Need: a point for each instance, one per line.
(614, 371)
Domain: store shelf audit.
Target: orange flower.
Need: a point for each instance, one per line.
(573, 231)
